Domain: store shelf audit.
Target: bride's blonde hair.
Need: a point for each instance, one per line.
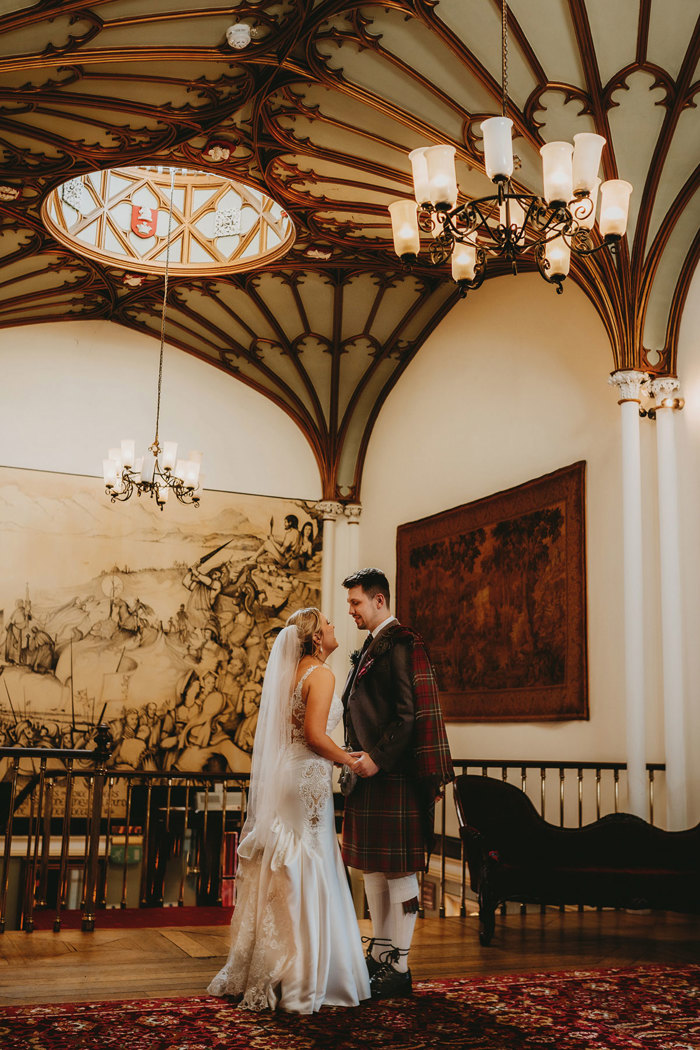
(307, 622)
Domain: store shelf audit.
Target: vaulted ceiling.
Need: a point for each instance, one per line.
(319, 111)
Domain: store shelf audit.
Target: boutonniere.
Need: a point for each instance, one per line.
(355, 657)
(365, 668)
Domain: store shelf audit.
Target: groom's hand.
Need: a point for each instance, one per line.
(363, 764)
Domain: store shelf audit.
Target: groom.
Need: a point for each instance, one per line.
(399, 750)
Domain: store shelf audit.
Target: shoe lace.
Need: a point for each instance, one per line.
(371, 941)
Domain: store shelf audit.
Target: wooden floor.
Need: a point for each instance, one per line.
(71, 966)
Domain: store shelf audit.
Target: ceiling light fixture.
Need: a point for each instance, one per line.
(509, 223)
(159, 472)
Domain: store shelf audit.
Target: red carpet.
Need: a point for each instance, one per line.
(129, 918)
(646, 1008)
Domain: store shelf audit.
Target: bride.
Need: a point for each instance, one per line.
(295, 943)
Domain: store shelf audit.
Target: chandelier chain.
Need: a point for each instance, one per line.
(165, 298)
(504, 56)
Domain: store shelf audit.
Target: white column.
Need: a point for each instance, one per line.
(331, 512)
(352, 513)
(665, 389)
(630, 389)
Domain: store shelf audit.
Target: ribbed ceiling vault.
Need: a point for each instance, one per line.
(319, 111)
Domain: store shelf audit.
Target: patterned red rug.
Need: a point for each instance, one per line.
(646, 1008)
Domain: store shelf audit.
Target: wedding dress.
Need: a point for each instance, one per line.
(295, 943)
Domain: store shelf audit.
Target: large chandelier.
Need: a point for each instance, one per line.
(509, 224)
(158, 472)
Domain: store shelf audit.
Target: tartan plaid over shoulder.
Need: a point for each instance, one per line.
(389, 818)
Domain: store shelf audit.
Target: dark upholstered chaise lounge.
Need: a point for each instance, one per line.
(618, 861)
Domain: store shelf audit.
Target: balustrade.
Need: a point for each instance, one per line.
(79, 836)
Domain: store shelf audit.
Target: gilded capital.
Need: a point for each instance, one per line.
(629, 384)
(352, 513)
(330, 510)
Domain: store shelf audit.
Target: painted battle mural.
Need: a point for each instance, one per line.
(156, 623)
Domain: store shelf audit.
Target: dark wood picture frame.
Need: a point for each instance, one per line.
(497, 588)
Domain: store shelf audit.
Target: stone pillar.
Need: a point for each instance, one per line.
(630, 385)
(664, 390)
(331, 511)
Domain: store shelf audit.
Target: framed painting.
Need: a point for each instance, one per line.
(497, 588)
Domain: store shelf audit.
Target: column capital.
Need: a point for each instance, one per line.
(352, 512)
(663, 387)
(330, 510)
(629, 384)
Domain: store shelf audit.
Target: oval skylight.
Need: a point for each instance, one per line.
(120, 216)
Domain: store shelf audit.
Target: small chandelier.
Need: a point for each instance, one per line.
(158, 472)
(508, 224)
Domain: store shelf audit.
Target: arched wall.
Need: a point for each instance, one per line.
(70, 391)
(512, 385)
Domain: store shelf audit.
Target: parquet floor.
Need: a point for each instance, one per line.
(71, 966)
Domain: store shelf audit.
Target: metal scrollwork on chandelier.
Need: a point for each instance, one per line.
(159, 472)
(511, 223)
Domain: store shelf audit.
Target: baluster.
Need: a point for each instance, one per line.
(62, 888)
(650, 775)
(617, 789)
(93, 860)
(127, 835)
(597, 793)
(183, 851)
(463, 860)
(543, 777)
(523, 788)
(421, 909)
(108, 845)
(86, 850)
(562, 774)
(45, 844)
(35, 826)
(204, 853)
(143, 891)
(443, 832)
(222, 852)
(163, 861)
(13, 769)
(580, 796)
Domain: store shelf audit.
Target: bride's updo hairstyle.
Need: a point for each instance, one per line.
(307, 622)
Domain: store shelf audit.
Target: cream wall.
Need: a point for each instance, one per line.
(514, 384)
(68, 392)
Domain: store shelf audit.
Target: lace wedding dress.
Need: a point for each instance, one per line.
(295, 943)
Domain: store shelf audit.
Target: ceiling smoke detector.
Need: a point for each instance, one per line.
(238, 35)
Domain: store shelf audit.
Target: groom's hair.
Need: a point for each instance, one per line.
(372, 582)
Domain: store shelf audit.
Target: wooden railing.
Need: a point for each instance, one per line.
(79, 835)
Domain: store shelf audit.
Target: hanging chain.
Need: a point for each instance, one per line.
(504, 57)
(165, 300)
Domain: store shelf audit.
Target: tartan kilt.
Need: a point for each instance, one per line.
(384, 825)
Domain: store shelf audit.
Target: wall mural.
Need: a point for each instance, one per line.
(159, 624)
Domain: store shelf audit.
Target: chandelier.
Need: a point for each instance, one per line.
(508, 224)
(158, 472)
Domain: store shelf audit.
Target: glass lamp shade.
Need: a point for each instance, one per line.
(404, 226)
(137, 469)
(442, 177)
(498, 147)
(419, 168)
(463, 262)
(169, 454)
(110, 471)
(128, 451)
(557, 172)
(148, 467)
(587, 151)
(583, 209)
(614, 206)
(163, 492)
(558, 254)
(116, 455)
(511, 213)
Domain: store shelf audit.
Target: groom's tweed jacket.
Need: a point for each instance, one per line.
(392, 712)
